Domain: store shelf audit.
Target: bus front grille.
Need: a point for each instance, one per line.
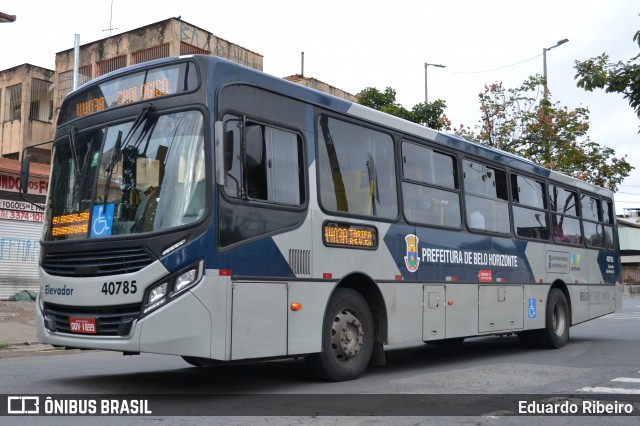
(96, 263)
(110, 320)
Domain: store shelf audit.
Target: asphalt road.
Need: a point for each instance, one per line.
(601, 358)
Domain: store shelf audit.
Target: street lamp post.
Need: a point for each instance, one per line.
(544, 64)
(426, 92)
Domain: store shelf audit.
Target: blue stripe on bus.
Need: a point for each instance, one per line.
(261, 258)
(444, 255)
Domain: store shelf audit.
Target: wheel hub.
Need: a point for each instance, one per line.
(347, 336)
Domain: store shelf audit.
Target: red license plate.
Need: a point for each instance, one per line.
(82, 325)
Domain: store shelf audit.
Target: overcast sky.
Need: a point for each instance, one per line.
(353, 44)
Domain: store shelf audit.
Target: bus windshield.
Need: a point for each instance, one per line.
(152, 175)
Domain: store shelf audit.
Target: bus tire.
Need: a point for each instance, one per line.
(556, 332)
(347, 338)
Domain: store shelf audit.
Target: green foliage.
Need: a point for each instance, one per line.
(614, 77)
(521, 122)
(430, 115)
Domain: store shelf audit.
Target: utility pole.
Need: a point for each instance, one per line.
(426, 90)
(544, 64)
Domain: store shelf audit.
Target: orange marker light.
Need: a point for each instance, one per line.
(449, 302)
(295, 306)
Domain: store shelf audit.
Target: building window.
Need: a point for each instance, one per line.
(189, 49)
(65, 81)
(104, 67)
(150, 54)
(12, 102)
(41, 108)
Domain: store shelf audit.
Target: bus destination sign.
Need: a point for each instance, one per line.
(137, 87)
(70, 224)
(348, 235)
(125, 96)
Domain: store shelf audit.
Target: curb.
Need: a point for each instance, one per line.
(17, 350)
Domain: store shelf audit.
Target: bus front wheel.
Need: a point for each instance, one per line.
(347, 338)
(556, 333)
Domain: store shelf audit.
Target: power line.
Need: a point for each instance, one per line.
(495, 69)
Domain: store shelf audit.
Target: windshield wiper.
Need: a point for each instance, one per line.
(71, 132)
(120, 146)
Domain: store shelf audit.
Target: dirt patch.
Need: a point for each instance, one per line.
(21, 312)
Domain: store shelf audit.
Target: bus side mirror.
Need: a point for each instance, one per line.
(24, 174)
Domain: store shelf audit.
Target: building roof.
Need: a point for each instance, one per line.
(166, 21)
(28, 67)
(314, 83)
(9, 165)
(632, 222)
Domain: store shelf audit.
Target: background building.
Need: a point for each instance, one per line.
(26, 114)
(629, 237)
(321, 86)
(171, 37)
(26, 110)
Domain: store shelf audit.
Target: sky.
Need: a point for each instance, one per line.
(354, 44)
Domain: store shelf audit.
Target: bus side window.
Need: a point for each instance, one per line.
(565, 216)
(255, 167)
(430, 186)
(591, 213)
(486, 196)
(262, 163)
(529, 207)
(609, 220)
(356, 169)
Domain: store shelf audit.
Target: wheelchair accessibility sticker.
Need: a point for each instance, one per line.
(532, 308)
(102, 220)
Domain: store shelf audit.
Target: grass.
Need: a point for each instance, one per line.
(3, 345)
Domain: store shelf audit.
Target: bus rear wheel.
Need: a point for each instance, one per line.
(347, 338)
(556, 332)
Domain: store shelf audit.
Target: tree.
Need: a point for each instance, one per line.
(614, 77)
(520, 121)
(430, 115)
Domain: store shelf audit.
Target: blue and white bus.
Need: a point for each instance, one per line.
(207, 210)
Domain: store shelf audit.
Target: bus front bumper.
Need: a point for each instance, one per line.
(182, 327)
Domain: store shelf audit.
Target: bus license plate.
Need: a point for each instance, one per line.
(82, 325)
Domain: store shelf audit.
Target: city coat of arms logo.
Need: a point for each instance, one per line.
(411, 260)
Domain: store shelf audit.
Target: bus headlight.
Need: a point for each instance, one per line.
(186, 280)
(157, 293)
(172, 287)
(156, 298)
